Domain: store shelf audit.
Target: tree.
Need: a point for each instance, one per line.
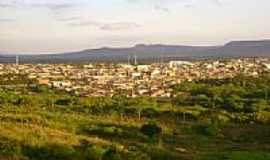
(258, 106)
(151, 129)
(112, 154)
(64, 102)
(202, 100)
(233, 103)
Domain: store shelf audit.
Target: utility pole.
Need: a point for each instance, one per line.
(17, 60)
(128, 60)
(17, 72)
(135, 60)
(17, 64)
(161, 59)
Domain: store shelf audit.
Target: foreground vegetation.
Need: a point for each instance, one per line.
(206, 120)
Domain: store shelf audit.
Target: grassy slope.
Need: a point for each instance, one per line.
(36, 128)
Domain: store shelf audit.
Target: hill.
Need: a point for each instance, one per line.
(156, 52)
(245, 49)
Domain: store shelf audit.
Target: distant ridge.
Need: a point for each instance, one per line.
(153, 52)
(246, 48)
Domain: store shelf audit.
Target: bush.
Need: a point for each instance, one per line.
(244, 155)
(105, 131)
(51, 152)
(242, 117)
(210, 130)
(142, 156)
(63, 102)
(258, 106)
(202, 100)
(206, 130)
(113, 132)
(112, 154)
(149, 113)
(191, 113)
(233, 103)
(219, 117)
(262, 117)
(9, 148)
(151, 129)
(161, 154)
(237, 155)
(94, 152)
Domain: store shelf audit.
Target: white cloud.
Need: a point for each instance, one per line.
(162, 9)
(103, 26)
(50, 4)
(119, 26)
(6, 20)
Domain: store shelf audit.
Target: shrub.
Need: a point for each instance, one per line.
(244, 155)
(233, 103)
(220, 117)
(161, 154)
(202, 100)
(151, 129)
(63, 102)
(9, 148)
(210, 130)
(190, 113)
(112, 154)
(141, 156)
(94, 152)
(237, 155)
(242, 117)
(149, 113)
(258, 106)
(206, 130)
(51, 152)
(262, 117)
(103, 131)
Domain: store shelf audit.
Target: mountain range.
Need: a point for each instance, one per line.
(156, 52)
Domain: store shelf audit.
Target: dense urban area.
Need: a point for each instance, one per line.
(179, 110)
(154, 80)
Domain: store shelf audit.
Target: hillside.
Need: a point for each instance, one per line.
(245, 49)
(157, 52)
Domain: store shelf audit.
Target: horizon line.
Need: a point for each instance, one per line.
(129, 46)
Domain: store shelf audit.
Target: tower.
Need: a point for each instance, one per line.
(128, 60)
(17, 60)
(135, 60)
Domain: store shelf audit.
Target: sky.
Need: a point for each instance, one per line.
(54, 26)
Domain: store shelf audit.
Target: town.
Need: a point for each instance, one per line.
(133, 80)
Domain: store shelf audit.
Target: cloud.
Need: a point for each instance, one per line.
(3, 5)
(131, 1)
(69, 19)
(101, 25)
(217, 2)
(6, 20)
(188, 6)
(7, 4)
(49, 4)
(85, 23)
(53, 6)
(159, 4)
(162, 9)
(119, 26)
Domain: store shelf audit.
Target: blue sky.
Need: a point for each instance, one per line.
(45, 26)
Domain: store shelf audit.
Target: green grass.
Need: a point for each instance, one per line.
(58, 134)
(238, 155)
(101, 129)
